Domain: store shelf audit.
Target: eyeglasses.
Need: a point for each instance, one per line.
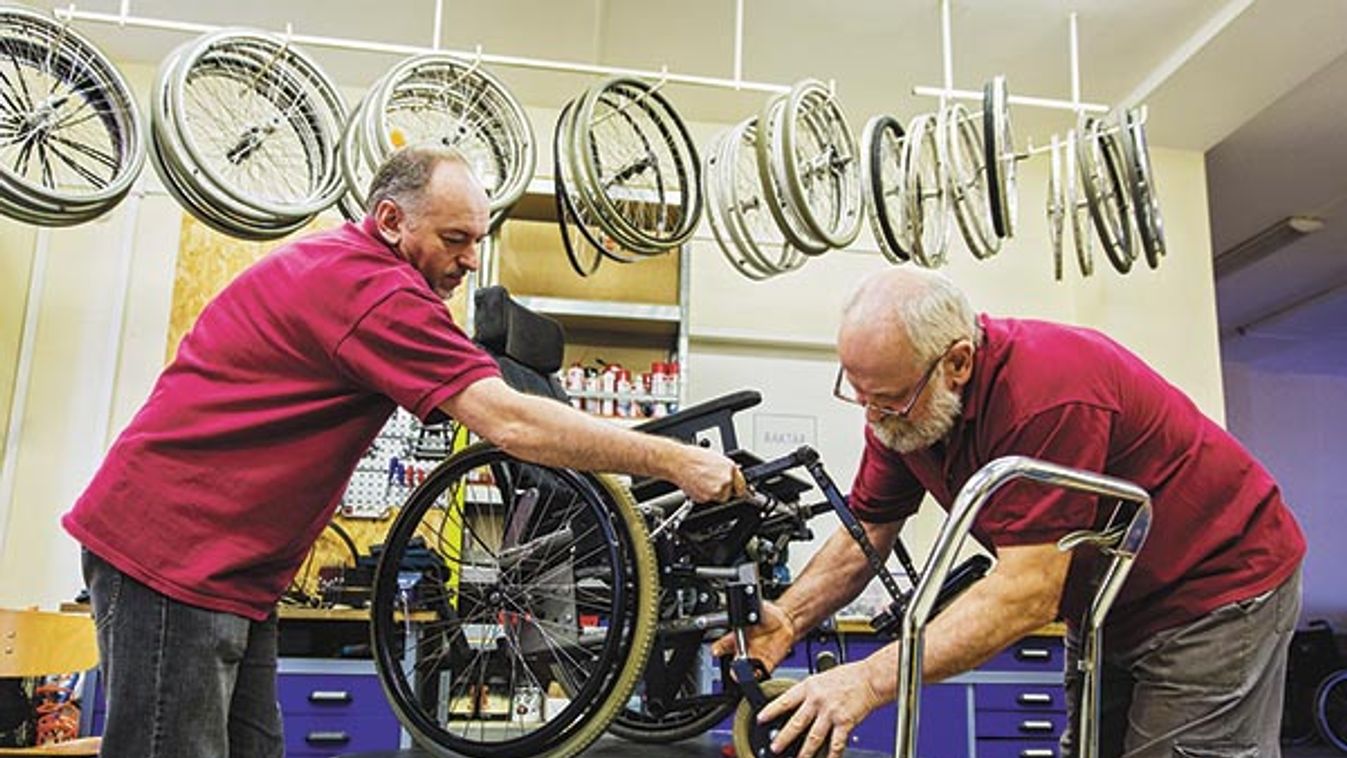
(842, 390)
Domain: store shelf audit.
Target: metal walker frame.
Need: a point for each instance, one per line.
(1121, 539)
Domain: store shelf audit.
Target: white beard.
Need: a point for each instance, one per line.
(926, 426)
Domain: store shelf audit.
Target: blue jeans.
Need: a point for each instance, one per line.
(1209, 688)
(181, 681)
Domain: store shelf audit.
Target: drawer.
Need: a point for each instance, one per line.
(1019, 697)
(1017, 749)
(1045, 726)
(326, 735)
(316, 694)
(1029, 654)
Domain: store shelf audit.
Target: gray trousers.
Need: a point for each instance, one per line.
(1213, 687)
(181, 681)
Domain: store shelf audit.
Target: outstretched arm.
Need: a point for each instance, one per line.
(554, 434)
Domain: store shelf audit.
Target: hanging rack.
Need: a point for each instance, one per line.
(947, 91)
(124, 18)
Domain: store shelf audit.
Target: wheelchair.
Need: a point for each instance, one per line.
(522, 610)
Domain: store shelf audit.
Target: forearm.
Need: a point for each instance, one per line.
(833, 577)
(589, 443)
(989, 616)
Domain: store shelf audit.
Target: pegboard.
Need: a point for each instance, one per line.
(401, 456)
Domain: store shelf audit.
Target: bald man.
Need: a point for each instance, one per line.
(1195, 646)
(207, 503)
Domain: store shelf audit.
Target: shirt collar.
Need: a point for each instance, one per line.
(984, 355)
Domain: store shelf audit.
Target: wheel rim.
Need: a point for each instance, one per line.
(72, 140)
(882, 186)
(536, 599)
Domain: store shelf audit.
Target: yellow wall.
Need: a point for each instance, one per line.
(89, 375)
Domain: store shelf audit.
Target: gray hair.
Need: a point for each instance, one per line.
(937, 316)
(922, 304)
(404, 175)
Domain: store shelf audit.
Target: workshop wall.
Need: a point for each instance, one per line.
(1293, 423)
(89, 376)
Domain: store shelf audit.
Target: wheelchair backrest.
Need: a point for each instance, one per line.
(527, 345)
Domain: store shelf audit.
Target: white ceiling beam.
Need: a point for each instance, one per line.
(1183, 53)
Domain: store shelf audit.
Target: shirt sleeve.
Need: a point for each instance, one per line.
(408, 348)
(884, 490)
(1031, 513)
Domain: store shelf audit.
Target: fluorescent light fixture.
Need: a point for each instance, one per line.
(1265, 243)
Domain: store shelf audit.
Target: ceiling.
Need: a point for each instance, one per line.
(875, 50)
(1258, 85)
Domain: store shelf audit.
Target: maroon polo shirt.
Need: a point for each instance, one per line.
(1220, 531)
(221, 483)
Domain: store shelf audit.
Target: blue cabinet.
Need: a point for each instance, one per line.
(334, 707)
(328, 707)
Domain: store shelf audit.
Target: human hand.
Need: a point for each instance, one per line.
(834, 701)
(708, 476)
(769, 640)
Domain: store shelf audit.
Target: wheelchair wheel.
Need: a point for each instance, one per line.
(692, 714)
(514, 607)
(1330, 710)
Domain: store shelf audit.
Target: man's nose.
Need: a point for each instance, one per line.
(472, 260)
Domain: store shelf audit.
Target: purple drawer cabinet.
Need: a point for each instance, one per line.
(1019, 697)
(319, 694)
(1038, 726)
(312, 736)
(1029, 654)
(942, 728)
(1017, 749)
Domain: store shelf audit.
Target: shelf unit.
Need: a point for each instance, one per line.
(633, 314)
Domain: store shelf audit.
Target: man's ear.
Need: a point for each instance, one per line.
(388, 221)
(961, 361)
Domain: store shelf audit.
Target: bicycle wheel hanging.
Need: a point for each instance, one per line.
(1083, 234)
(1141, 183)
(925, 190)
(246, 132)
(514, 607)
(1056, 206)
(882, 186)
(818, 151)
(441, 99)
(355, 172)
(72, 140)
(999, 144)
(636, 166)
(582, 236)
(752, 227)
(715, 190)
(772, 176)
(1102, 175)
(959, 146)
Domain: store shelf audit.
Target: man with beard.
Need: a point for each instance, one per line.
(1195, 646)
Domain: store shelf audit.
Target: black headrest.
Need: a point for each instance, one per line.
(505, 327)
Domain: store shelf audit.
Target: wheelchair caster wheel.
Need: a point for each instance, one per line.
(754, 740)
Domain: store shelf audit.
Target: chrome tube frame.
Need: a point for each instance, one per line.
(975, 493)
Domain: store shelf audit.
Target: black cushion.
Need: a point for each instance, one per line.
(505, 327)
(528, 346)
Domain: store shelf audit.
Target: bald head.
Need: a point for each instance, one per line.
(907, 311)
(410, 175)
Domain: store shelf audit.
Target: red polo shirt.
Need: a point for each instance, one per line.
(1220, 531)
(220, 484)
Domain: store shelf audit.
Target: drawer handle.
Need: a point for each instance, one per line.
(329, 696)
(1034, 698)
(1033, 654)
(1036, 726)
(327, 738)
(1038, 752)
